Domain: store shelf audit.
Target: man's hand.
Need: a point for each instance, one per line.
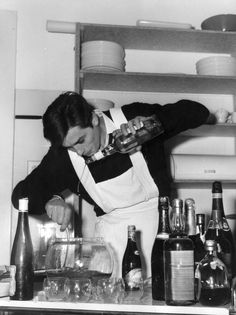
(130, 127)
(59, 211)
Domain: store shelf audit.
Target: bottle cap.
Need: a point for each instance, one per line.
(164, 201)
(177, 203)
(189, 203)
(131, 227)
(217, 187)
(23, 204)
(200, 218)
(210, 244)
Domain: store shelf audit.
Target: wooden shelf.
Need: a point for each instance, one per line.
(153, 38)
(218, 130)
(157, 82)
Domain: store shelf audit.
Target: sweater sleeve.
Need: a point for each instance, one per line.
(54, 174)
(174, 117)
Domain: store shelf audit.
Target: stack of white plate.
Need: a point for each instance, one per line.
(100, 103)
(217, 65)
(102, 55)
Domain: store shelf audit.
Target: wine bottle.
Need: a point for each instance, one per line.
(151, 128)
(213, 284)
(131, 264)
(157, 257)
(179, 261)
(217, 204)
(22, 255)
(199, 251)
(224, 248)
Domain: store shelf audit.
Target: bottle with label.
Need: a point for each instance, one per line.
(22, 255)
(217, 205)
(151, 128)
(131, 264)
(224, 249)
(157, 258)
(213, 284)
(179, 261)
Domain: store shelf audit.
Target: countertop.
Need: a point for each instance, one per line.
(41, 307)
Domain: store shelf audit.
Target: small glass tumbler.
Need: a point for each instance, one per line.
(78, 289)
(55, 289)
(110, 290)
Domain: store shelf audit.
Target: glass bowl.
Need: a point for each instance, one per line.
(89, 258)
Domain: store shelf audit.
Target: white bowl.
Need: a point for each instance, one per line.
(100, 103)
(102, 45)
(216, 59)
(217, 65)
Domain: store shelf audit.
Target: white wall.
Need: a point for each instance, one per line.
(45, 61)
(7, 86)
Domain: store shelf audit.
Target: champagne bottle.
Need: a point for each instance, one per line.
(157, 258)
(179, 261)
(22, 255)
(190, 217)
(213, 284)
(131, 264)
(217, 204)
(151, 128)
(224, 249)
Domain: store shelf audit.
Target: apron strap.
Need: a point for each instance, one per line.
(137, 158)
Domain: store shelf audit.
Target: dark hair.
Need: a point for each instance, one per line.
(67, 110)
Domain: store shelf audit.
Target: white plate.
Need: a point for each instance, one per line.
(103, 68)
(150, 23)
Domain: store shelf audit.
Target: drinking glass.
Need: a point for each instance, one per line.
(55, 289)
(78, 290)
(110, 290)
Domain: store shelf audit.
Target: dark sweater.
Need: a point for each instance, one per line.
(56, 173)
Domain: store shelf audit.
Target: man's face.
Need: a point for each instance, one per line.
(84, 141)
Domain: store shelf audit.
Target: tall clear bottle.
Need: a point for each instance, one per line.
(151, 128)
(217, 205)
(157, 258)
(22, 255)
(131, 264)
(179, 261)
(213, 284)
(190, 217)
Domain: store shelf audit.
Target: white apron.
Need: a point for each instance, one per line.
(129, 199)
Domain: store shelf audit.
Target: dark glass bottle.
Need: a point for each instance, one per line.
(22, 255)
(157, 258)
(199, 251)
(224, 249)
(131, 264)
(151, 128)
(179, 261)
(213, 284)
(217, 204)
